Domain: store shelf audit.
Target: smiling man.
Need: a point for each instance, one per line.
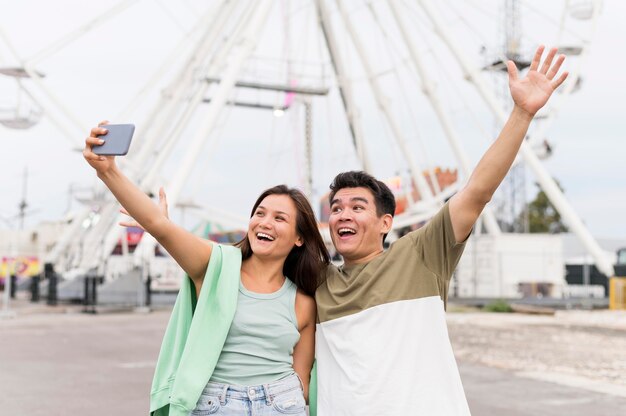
(382, 345)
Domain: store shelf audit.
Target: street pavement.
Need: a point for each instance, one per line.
(57, 363)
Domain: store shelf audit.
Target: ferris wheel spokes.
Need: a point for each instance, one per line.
(544, 179)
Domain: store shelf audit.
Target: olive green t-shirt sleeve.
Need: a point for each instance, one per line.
(436, 244)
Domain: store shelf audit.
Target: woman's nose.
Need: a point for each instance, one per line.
(266, 222)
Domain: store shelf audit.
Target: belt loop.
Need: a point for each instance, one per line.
(268, 398)
(222, 395)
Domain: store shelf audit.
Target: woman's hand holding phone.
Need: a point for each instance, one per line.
(100, 163)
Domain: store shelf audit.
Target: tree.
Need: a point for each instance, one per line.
(542, 217)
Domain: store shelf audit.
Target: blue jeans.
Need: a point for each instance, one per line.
(281, 397)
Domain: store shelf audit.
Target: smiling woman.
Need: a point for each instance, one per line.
(271, 233)
(247, 331)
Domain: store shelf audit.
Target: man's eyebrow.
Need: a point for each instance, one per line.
(353, 199)
(359, 198)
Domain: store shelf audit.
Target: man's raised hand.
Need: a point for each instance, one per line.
(533, 91)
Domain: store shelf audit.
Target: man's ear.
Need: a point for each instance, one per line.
(386, 224)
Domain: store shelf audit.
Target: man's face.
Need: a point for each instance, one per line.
(355, 227)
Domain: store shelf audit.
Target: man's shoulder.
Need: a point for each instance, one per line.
(429, 230)
(331, 269)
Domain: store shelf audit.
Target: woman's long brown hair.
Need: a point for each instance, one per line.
(304, 265)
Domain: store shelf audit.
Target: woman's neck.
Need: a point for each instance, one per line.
(260, 275)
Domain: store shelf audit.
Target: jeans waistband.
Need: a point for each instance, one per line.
(265, 392)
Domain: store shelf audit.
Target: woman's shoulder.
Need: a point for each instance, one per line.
(305, 305)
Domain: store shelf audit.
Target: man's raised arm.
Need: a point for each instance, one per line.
(529, 95)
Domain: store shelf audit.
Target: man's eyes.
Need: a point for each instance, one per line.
(355, 208)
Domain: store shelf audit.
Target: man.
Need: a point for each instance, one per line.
(382, 346)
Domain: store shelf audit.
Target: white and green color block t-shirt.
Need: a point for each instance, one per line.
(382, 344)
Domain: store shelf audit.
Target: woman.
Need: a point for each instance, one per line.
(241, 336)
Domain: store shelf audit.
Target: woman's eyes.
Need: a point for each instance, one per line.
(262, 214)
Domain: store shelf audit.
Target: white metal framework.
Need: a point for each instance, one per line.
(374, 98)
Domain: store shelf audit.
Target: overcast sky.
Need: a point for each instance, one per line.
(97, 75)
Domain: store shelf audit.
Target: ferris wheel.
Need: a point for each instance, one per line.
(306, 89)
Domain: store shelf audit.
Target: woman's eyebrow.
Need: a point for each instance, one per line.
(278, 212)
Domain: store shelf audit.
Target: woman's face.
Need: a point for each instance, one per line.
(272, 229)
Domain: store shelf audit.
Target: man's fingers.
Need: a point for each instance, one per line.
(512, 70)
(555, 68)
(535, 63)
(548, 61)
(556, 84)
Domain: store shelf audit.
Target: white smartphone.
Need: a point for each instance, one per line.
(116, 141)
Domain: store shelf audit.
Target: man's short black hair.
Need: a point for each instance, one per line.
(383, 197)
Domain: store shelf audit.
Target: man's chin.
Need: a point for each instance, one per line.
(345, 252)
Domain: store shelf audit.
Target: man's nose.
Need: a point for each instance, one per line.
(345, 215)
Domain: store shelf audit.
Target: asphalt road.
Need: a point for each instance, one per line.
(76, 364)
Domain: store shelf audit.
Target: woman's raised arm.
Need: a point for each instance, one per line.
(190, 252)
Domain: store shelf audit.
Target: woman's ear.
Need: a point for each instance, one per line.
(299, 242)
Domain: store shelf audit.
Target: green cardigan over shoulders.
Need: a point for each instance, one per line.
(195, 335)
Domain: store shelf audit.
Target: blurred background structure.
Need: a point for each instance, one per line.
(231, 97)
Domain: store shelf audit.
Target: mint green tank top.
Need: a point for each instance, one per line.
(260, 342)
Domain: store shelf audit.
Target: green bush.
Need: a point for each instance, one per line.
(498, 306)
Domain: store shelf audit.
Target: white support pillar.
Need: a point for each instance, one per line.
(308, 147)
(345, 86)
(82, 30)
(208, 21)
(430, 91)
(243, 48)
(179, 91)
(147, 182)
(543, 178)
(146, 179)
(417, 173)
(48, 112)
(164, 111)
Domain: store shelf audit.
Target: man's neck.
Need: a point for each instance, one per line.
(362, 260)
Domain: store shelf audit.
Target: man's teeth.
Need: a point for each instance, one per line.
(266, 236)
(343, 231)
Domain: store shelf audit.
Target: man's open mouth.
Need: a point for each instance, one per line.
(345, 231)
